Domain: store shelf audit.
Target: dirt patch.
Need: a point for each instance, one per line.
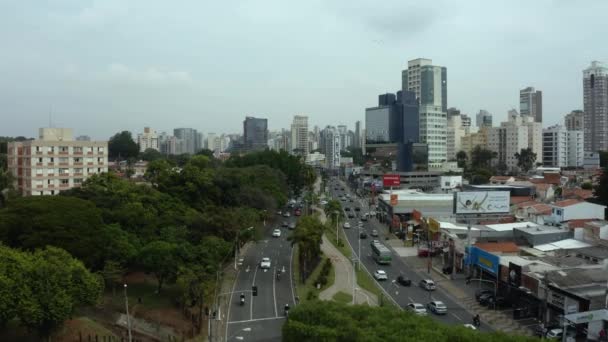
(169, 317)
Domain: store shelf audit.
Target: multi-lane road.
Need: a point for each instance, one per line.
(401, 295)
(262, 316)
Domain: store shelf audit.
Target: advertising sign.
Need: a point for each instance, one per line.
(481, 202)
(394, 199)
(433, 225)
(487, 261)
(391, 180)
(514, 275)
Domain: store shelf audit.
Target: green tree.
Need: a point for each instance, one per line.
(121, 146)
(13, 266)
(482, 158)
(461, 159)
(56, 285)
(525, 159)
(331, 208)
(161, 259)
(587, 186)
(112, 273)
(150, 154)
(307, 236)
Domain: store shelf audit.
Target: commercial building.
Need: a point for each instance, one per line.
(147, 139)
(531, 103)
(562, 148)
(575, 120)
(483, 119)
(188, 136)
(573, 209)
(595, 99)
(54, 162)
(255, 133)
(332, 147)
(299, 135)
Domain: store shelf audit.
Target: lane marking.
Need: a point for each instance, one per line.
(274, 291)
(251, 304)
(411, 300)
(229, 304)
(453, 314)
(257, 319)
(293, 296)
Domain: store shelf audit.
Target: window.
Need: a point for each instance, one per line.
(78, 160)
(77, 180)
(77, 149)
(38, 149)
(63, 149)
(100, 149)
(99, 169)
(65, 181)
(52, 192)
(63, 160)
(64, 171)
(40, 160)
(77, 170)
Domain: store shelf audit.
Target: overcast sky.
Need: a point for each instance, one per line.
(105, 66)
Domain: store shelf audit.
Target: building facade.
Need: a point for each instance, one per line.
(473, 139)
(54, 162)
(332, 147)
(147, 139)
(510, 138)
(188, 137)
(299, 135)
(575, 120)
(483, 119)
(562, 148)
(531, 103)
(255, 133)
(595, 100)
(455, 132)
(357, 139)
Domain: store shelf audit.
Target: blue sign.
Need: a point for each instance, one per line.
(483, 259)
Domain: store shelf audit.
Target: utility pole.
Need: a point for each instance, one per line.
(127, 310)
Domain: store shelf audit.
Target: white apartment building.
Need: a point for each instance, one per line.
(456, 129)
(332, 147)
(148, 139)
(510, 138)
(535, 135)
(299, 134)
(55, 162)
(562, 148)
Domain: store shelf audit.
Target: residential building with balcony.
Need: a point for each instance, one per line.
(54, 162)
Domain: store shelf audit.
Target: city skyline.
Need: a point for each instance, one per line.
(111, 84)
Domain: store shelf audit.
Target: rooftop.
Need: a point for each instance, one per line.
(562, 244)
(503, 247)
(599, 252)
(520, 199)
(541, 230)
(567, 203)
(510, 226)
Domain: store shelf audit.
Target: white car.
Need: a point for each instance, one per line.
(346, 225)
(555, 334)
(417, 308)
(323, 202)
(265, 263)
(380, 275)
(428, 284)
(286, 214)
(276, 233)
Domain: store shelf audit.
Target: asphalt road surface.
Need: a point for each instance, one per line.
(401, 295)
(261, 317)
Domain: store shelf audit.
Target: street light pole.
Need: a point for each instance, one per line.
(337, 236)
(127, 309)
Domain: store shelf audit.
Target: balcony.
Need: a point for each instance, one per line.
(77, 174)
(51, 175)
(90, 163)
(64, 185)
(38, 164)
(64, 175)
(78, 163)
(50, 164)
(77, 153)
(63, 152)
(90, 153)
(50, 152)
(64, 164)
(39, 152)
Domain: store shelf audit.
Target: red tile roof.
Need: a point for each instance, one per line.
(553, 178)
(567, 203)
(542, 208)
(520, 199)
(526, 204)
(500, 178)
(577, 193)
(504, 247)
(579, 223)
(542, 186)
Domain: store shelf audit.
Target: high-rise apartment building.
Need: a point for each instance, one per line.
(188, 136)
(168, 144)
(255, 133)
(429, 83)
(357, 139)
(212, 142)
(471, 140)
(455, 131)
(483, 119)
(562, 148)
(147, 139)
(575, 120)
(531, 103)
(54, 162)
(513, 136)
(595, 99)
(332, 147)
(299, 135)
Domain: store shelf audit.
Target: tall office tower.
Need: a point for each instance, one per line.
(483, 119)
(167, 144)
(343, 131)
(54, 162)
(531, 103)
(200, 144)
(299, 135)
(562, 148)
(429, 83)
(147, 139)
(211, 142)
(595, 86)
(357, 139)
(332, 147)
(188, 137)
(255, 133)
(575, 120)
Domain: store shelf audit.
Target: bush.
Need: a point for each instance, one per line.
(587, 186)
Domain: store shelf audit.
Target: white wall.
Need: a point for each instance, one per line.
(584, 210)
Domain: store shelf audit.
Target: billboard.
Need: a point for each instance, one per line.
(433, 225)
(481, 202)
(394, 199)
(487, 261)
(391, 180)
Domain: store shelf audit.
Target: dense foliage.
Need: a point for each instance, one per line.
(307, 236)
(332, 321)
(122, 146)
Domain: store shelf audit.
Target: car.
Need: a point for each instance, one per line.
(351, 215)
(380, 275)
(346, 225)
(374, 233)
(485, 299)
(279, 213)
(297, 212)
(363, 235)
(470, 326)
(423, 252)
(372, 213)
(346, 209)
(373, 242)
(364, 218)
(427, 284)
(286, 214)
(357, 209)
(554, 334)
(323, 202)
(481, 292)
(417, 308)
(498, 302)
(276, 233)
(351, 200)
(285, 224)
(342, 199)
(342, 189)
(403, 281)
(437, 307)
(292, 225)
(265, 263)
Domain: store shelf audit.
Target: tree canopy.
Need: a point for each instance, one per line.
(525, 159)
(122, 146)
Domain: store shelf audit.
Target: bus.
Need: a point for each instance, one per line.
(381, 253)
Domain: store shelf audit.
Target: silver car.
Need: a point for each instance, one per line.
(437, 307)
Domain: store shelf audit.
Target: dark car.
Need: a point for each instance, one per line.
(363, 235)
(357, 209)
(404, 281)
(285, 224)
(481, 292)
(347, 208)
(342, 189)
(498, 302)
(351, 200)
(351, 215)
(485, 299)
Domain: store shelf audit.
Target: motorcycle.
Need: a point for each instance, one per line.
(242, 299)
(286, 310)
